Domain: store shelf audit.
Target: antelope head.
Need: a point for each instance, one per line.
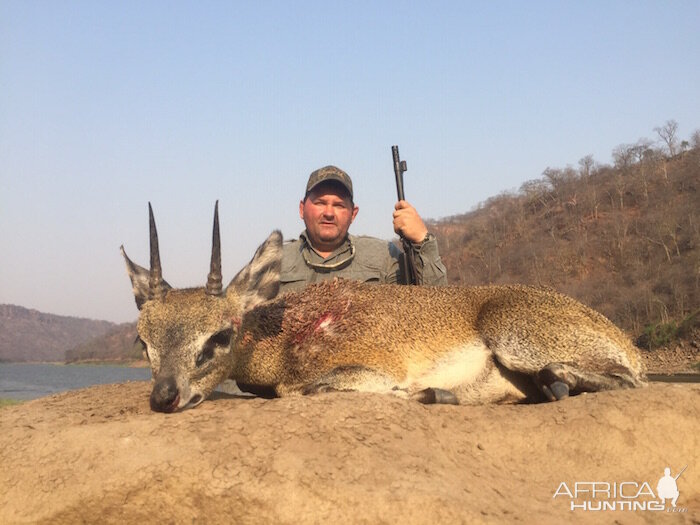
(187, 333)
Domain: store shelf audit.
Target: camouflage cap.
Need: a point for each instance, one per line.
(329, 173)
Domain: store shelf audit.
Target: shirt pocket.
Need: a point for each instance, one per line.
(362, 271)
(293, 280)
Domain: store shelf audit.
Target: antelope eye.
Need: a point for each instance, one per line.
(205, 355)
(144, 347)
(222, 338)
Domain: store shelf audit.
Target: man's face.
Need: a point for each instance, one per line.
(327, 213)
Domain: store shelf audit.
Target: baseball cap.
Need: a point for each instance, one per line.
(329, 173)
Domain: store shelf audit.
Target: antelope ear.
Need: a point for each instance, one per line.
(139, 280)
(259, 280)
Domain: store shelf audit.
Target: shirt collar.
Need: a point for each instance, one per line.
(340, 252)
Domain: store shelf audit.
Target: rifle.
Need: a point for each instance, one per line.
(410, 274)
(681, 472)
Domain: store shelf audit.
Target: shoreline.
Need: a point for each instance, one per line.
(124, 364)
(23, 381)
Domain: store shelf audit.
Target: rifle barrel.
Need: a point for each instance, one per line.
(399, 168)
(681, 472)
(407, 257)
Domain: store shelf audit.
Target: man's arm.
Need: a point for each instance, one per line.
(431, 270)
(409, 224)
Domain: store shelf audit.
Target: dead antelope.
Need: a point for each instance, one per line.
(446, 345)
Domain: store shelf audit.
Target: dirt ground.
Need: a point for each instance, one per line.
(683, 357)
(100, 455)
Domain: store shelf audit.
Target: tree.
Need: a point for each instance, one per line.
(642, 150)
(695, 138)
(623, 156)
(644, 154)
(667, 134)
(586, 166)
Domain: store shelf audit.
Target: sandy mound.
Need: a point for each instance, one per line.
(100, 455)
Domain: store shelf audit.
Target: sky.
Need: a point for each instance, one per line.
(106, 106)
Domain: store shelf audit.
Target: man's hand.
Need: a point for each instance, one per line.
(408, 223)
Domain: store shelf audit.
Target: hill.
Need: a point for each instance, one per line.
(118, 344)
(28, 335)
(624, 239)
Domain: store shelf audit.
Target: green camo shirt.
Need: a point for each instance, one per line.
(375, 261)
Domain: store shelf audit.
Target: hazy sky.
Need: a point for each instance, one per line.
(105, 106)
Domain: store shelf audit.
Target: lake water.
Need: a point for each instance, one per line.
(29, 381)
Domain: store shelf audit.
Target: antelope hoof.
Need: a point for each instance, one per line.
(555, 381)
(431, 396)
(559, 390)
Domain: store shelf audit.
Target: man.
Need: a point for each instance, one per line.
(667, 488)
(325, 250)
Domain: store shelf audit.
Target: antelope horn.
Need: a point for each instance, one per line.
(214, 279)
(155, 280)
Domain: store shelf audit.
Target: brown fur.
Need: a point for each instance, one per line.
(403, 334)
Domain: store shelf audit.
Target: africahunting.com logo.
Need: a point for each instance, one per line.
(623, 495)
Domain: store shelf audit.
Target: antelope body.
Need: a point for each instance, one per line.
(433, 344)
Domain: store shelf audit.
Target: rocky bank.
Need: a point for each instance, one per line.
(100, 455)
